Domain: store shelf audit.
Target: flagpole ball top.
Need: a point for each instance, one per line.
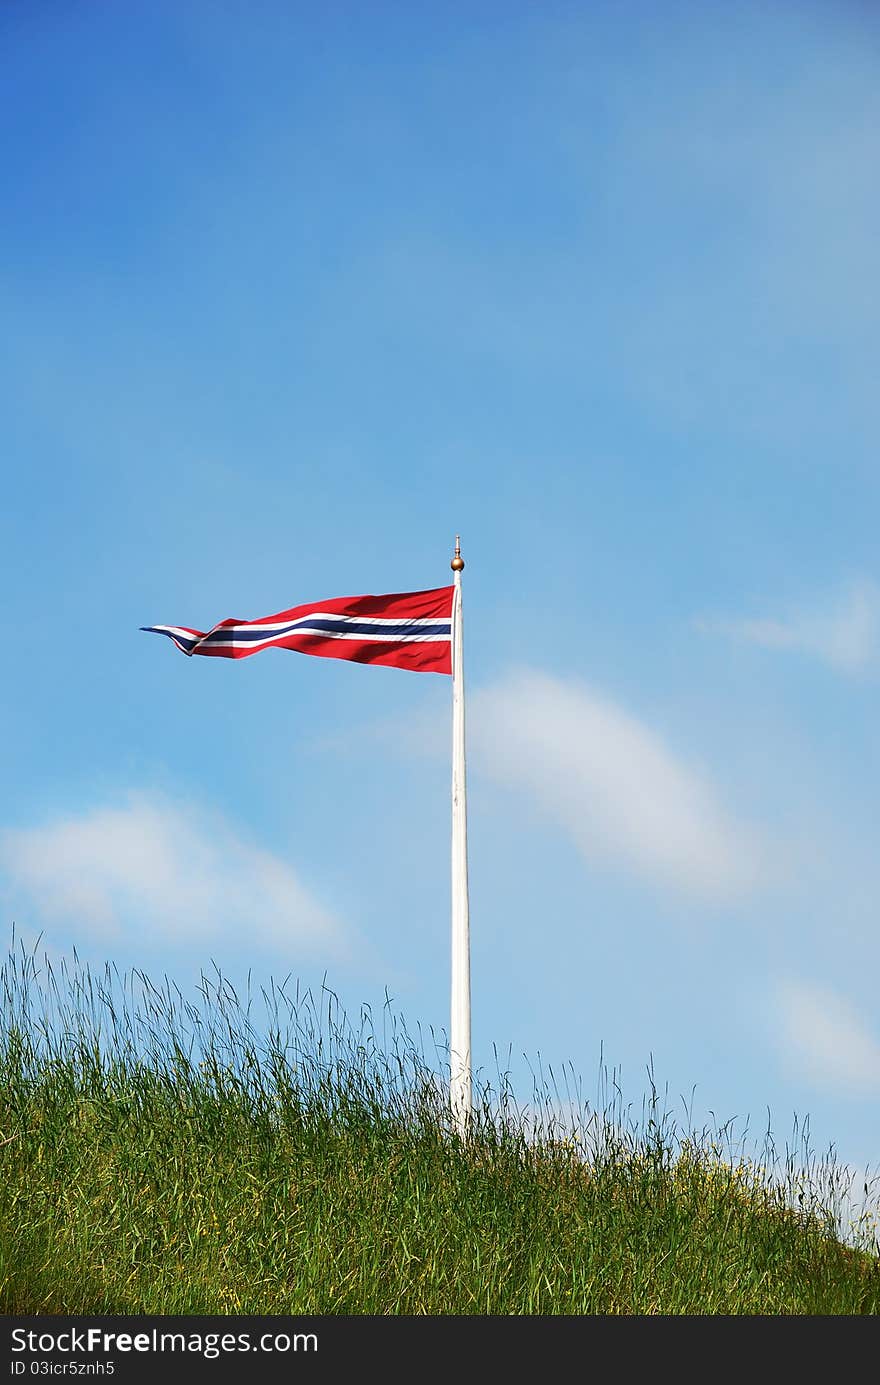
(458, 561)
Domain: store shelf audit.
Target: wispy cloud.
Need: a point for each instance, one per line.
(826, 1039)
(845, 633)
(612, 784)
(159, 870)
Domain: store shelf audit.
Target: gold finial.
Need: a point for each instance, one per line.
(458, 561)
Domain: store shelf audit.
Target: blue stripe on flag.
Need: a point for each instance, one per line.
(342, 625)
(185, 642)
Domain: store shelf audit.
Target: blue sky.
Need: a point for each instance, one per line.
(292, 295)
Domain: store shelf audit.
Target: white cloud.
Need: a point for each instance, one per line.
(826, 1039)
(612, 784)
(846, 634)
(161, 870)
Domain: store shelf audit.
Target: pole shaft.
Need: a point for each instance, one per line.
(460, 1028)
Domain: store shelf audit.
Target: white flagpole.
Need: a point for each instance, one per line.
(460, 1028)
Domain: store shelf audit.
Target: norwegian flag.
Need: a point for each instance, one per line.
(404, 630)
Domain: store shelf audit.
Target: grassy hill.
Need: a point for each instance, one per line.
(162, 1156)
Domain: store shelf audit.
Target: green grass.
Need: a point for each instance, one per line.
(175, 1157)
